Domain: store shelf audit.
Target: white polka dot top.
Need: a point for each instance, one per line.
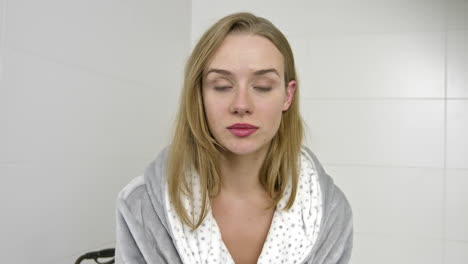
(290, 238)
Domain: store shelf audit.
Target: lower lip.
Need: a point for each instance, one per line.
(242, 132)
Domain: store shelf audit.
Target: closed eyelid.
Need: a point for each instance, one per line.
(219, 79)
(256, 82)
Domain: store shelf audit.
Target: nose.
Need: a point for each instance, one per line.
(241, 103)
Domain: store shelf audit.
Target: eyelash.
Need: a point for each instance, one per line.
(261, 89)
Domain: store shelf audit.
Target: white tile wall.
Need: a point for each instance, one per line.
(457, 252)
(3, 120)
(60, 210)
(457, 17)
(89, 89)
(118, 38)
(88, 94)
(376, 132)
(374, 65)
(374, 76)
(2, 23)
(393, 200)
(457, 205)
(63, 114)
(2, 88)
(457, 131)
(396, 249)
(306, 18)
(457, 63)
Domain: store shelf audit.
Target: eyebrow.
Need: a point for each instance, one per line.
(256, 73)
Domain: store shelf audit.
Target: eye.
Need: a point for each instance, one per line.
(263, 89)
(221, 88)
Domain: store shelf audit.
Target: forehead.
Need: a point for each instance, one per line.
(243, 53)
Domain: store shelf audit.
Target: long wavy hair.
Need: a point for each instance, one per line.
(194, 148)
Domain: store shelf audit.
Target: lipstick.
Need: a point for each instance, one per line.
(242, 129)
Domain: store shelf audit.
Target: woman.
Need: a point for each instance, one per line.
(236, 185)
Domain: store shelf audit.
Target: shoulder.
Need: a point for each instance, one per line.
(333, 198)
(134, 190)
(142, 233)
(133, 199)
(307, 152)
(143, 198)
(326, 181)
(151, 183)
(335, 241)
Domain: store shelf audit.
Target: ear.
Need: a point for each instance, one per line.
(290, 90)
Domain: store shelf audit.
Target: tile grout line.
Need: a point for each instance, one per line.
(411, 237)
(385, 98)
(387, 166)
(352, 33)
(444, 178)
(398, 236)
(364, 165)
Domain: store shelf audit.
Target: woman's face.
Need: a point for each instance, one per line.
(244, 93)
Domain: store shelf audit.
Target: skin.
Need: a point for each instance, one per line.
(239, 209)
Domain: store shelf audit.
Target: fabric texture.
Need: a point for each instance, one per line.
(146, 234)
(290, 238)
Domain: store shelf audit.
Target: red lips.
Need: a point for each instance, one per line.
(242, 126)
(242, 130)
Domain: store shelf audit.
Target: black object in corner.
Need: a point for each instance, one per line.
(105, 253)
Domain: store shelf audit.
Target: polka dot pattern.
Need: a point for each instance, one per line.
(290, 238)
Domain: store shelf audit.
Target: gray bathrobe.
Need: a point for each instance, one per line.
(144, 236)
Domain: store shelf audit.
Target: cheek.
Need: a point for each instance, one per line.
(272, 116)
(213, 112)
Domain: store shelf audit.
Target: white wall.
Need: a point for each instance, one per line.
(385, 95)
(88, 90)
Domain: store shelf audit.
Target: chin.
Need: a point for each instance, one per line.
(244, 148)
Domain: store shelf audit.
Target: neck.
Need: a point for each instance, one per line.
(240, 173)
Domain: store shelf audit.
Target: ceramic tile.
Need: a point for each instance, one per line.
(457, 205)
(73, 207)
(306, 17)
(457, 64)
(3, 120)
(58, 113)
(457, 14)
(456, 252)
(2, 23)
(370, 248)
(376, 132)
(144, 42)
(397, 201)
(375, 65)
(457, 129)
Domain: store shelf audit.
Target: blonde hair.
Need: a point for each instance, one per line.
(194, 148)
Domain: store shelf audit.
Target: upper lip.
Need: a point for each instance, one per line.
(241, 125)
